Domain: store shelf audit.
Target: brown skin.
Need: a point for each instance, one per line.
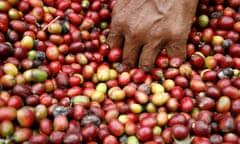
(144, 27)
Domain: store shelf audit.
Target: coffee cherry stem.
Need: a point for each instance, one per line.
(38, 25)
(54, 20)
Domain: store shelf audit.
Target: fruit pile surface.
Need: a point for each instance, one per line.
(60, 83)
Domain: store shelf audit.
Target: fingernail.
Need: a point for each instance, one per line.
(123, 67)
(145, 68)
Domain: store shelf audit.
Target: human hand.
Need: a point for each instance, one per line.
(144, 27)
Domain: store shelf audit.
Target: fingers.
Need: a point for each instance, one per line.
(131, 52)
(177, 48)
(115, 39)
(148, 56)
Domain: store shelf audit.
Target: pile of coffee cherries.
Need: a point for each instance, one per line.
(60, 82)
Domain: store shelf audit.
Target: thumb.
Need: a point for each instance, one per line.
(115, 38)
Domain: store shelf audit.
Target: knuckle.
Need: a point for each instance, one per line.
(118, 19)
(177, 36)
(176, 32)
(145, 67)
